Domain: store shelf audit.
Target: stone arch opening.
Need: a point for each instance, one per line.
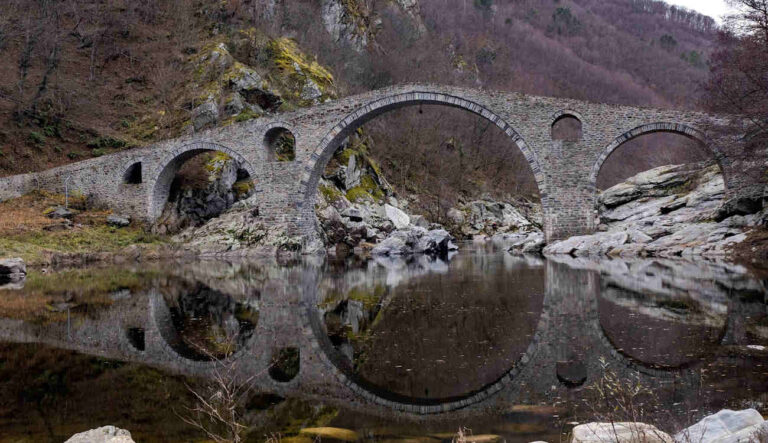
(314, 168)
(238, 181)
(133, 175)
(654, 176)
(676, 129)
(280, 144)
(567, 127)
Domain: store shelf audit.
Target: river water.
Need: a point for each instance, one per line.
(516, 347)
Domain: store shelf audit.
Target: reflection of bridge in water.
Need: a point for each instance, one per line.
(589, 314)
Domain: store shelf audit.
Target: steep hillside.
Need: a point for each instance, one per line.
(86, 78)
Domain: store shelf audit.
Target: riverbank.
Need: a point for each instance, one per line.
(34, 228)
(671, 211)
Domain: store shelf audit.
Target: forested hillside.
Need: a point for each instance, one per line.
(85, 78)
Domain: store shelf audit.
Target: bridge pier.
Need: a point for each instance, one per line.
(569, 200)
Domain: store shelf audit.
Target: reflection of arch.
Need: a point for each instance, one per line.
(160, 320)
(161, 177)
(330, 356)
(633, 357)
(325, 149)
(675, 128)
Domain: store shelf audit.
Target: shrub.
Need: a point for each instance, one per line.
(106, 142)
(36, 138)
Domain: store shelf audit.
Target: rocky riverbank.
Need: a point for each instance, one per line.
(670, 211)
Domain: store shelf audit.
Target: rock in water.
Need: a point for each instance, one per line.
(618, 433)
(530, 244)
(398, 218)
(104, 434)
(415, 240)
(438, 241)
(12, 266)
(118, 221)
(725, 427)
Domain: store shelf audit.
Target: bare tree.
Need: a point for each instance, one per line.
(738, 82)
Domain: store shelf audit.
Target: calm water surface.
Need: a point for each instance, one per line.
(392, 349)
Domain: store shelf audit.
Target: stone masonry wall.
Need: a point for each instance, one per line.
(565, 172)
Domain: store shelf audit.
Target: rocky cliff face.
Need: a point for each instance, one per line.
(669, 211)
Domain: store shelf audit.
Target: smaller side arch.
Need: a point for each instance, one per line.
(271, 127)
(675, 128)
(567, 113)
(560, 117)
(160, 178)
(125, 168)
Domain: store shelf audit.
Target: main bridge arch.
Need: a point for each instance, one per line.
(324, 150)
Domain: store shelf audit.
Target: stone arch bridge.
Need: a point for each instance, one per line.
(137, 182)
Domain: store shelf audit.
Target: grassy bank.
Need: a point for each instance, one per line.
(26, 231)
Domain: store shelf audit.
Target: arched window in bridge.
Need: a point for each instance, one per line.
(567, 128)
(280, 144)
(132, 175)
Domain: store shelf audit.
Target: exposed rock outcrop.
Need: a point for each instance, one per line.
(669, 211)
(488, 218)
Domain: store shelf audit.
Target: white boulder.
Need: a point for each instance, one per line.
(398, 218)
(104, 434)
(618, 433)
(726, 426)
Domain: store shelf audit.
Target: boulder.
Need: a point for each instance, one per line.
(420, 221)
(118, 221)
(618, 433)
(205, 115)
(245, 79)
(311, 90)
(61, 212)
(530, 244)
(748, 203)
(392, 245)
(455, 216)
(13, 267)
(725, 426)
(398, 218)
(104, 434)
(415, 240)
(234, 104)
(438, 241)
(352, 213)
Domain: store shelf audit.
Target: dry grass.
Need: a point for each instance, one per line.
(26, 232)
